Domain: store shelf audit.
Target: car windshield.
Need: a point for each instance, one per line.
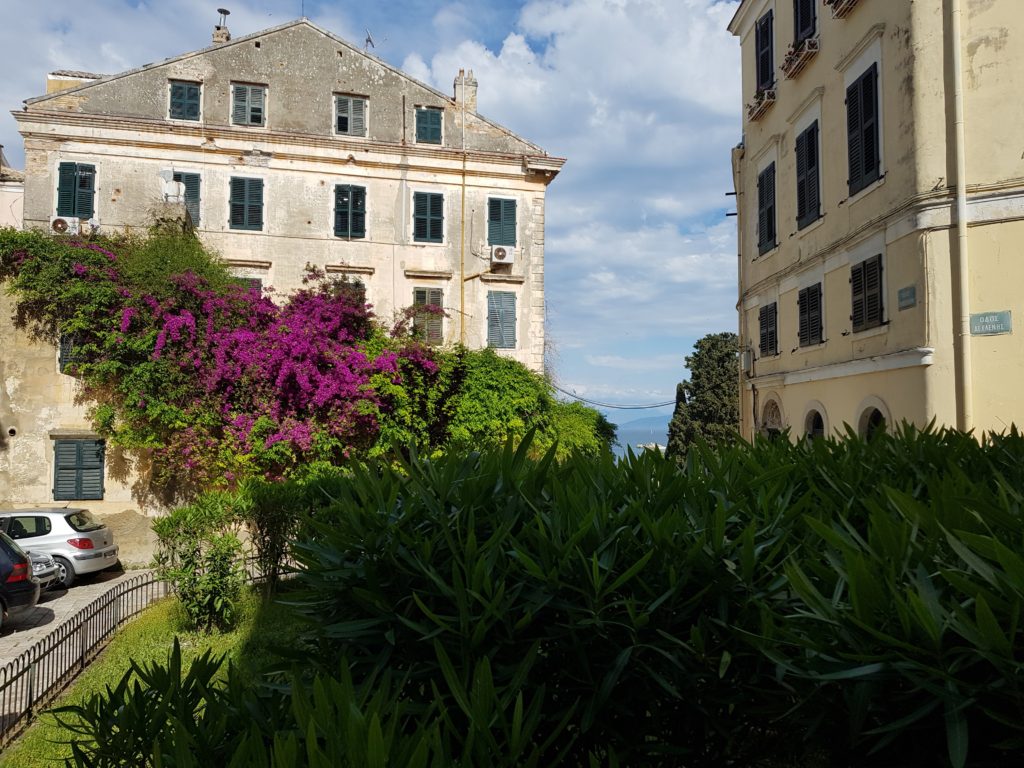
(82, 520)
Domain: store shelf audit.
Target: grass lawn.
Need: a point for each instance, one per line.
(149, 638)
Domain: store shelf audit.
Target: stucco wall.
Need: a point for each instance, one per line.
(12, 201)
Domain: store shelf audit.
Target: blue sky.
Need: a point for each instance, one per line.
(641, 96)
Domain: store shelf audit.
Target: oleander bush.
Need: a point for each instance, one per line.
(829, 603)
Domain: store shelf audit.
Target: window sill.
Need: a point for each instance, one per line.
(244, 230)
(809, 226)
(867, 190)
(806, 349)
(764, 254)
(867, 333)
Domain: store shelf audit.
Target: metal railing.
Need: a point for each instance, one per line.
(39, 674)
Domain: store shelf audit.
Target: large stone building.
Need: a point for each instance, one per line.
(286, 148)
(880, 189)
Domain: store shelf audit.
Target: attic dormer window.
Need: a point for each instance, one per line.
(184, 100)
(350, 115)
(249, 104)
(428, 125)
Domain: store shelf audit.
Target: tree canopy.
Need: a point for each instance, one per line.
(707, 405)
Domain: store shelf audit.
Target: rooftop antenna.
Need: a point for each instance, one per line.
(224, 13)
(369, 42)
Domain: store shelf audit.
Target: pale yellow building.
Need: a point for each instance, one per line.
(12, 194)
(880, 200)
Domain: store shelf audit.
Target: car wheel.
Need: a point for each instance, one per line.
(65, 573)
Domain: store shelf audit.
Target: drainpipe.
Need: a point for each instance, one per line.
(962, 341)
(462, 218)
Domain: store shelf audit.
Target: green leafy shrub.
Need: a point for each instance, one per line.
(199, 553)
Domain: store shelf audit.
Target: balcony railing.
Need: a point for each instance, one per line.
(798, 55)
(763, 99)
(840, 8)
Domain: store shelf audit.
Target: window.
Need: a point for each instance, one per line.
(246, 203)
(78, 469)
(428, 325)
(872, 423)
(249, 105)
(349, 211)
(808, 184)
(184, 100)
(814, 426)
(251, 284)
(862, 130)
(809, 300)
(501, 319)
(768, 320)
(866, 293)
(428, 125)
(804, 19)
(191, 182)
(766, 210)
(764, 52)
(428, 217)
(68, 353)
(350, 115)
(28, 527)
(501, 222)
(76, 190)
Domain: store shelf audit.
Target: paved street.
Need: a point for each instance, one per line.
(55, 607)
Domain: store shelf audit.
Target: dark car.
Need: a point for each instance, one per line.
(19, 590)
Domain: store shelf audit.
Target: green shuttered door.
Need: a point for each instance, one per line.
(78, 470)
(501, 319)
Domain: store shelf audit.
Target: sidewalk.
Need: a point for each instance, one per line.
(55, 607)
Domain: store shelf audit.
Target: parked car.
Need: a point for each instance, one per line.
(78, 542)
(44, 569)
(19, 591)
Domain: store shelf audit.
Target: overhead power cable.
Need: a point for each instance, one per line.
(611, 405)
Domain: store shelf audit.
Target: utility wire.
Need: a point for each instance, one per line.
(610, 405)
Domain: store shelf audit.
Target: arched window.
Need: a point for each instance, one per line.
(771, 419)
(814, 426)
(872, 422)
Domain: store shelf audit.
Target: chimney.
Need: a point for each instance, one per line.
(465, 87)
(221, 34)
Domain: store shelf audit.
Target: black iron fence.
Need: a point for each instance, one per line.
(39, 674)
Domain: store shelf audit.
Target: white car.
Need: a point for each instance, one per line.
(77, 541)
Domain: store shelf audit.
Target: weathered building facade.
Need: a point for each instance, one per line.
(880, 188)
(287, 148)
(12, 194)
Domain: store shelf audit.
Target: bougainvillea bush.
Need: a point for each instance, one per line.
(207, 380)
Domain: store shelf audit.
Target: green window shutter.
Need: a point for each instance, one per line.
(804, 19)
(766, 210)
(349, 211)
(768, 322)
(873, 291)
(428, 126)
(184, 100)
(358, 225)
(78, 469)
(808, 198)
(192, 184)
(428, 217)
(67, 182)
(246, 204)
(350, 115)
(358, 117)
(862, 130)
(765, 55)
(429, 327)
(857, 314)
(501, 222)
(240, 105)
(810, 315)
(501, 319)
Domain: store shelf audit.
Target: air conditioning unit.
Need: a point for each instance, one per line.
(65, 225)
(502, 254)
